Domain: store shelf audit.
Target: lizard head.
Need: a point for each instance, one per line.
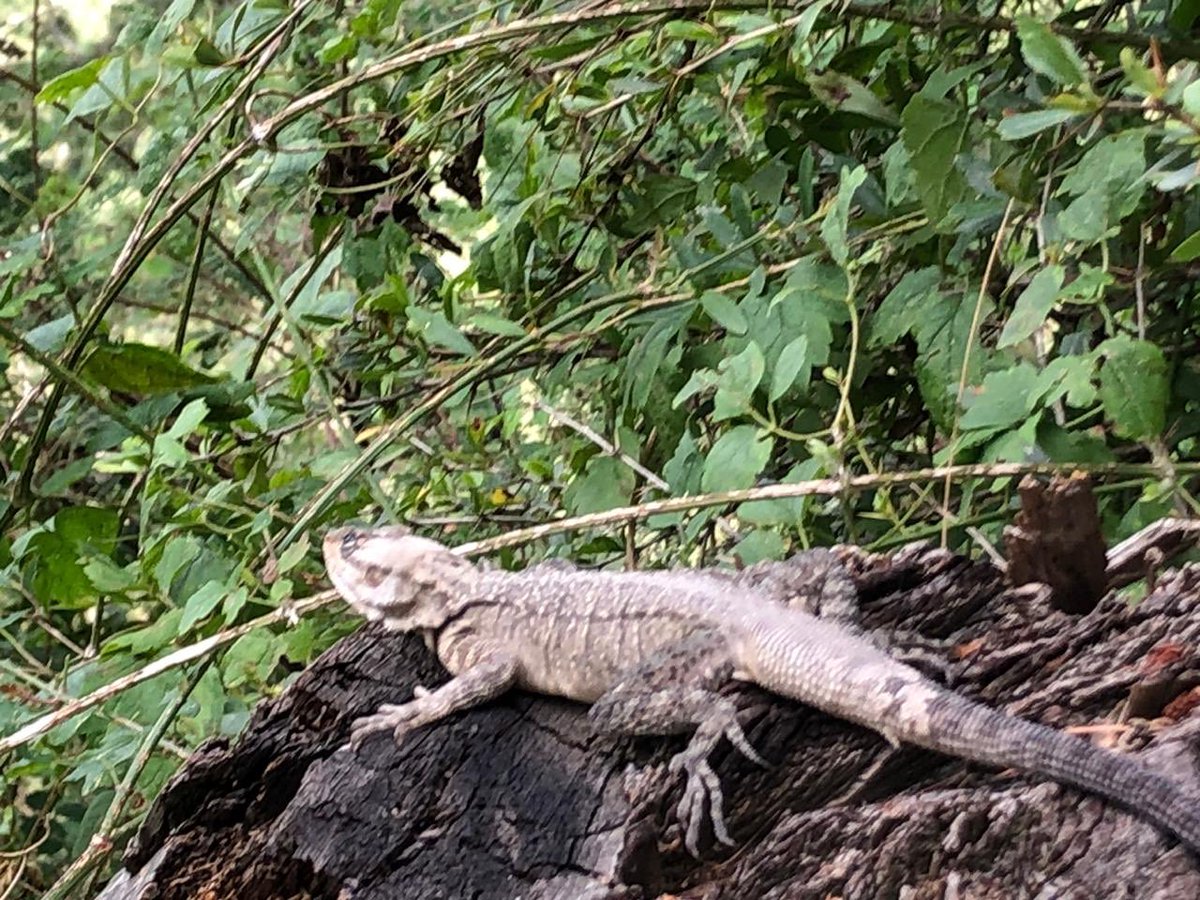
(410, 583)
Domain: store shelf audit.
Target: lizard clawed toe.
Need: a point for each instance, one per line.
(397, 718)
(737, 737)
(362, 728)
(701, 785)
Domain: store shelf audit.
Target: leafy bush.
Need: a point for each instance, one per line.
(477, 268)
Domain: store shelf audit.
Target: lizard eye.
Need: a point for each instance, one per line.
(374, 575)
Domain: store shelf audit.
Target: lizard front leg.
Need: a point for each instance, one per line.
(672, 692)
(491, 671)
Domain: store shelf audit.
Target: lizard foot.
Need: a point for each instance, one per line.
(702, 785)
(398, 718)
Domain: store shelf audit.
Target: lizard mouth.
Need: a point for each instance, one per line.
(337, 574)
(338, 567)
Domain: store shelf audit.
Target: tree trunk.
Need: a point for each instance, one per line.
(518, 799)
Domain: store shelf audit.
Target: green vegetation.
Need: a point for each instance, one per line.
(478, 267)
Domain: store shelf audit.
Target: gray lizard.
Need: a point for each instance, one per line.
(651, 650)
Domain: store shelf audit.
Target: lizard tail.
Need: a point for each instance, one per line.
(972, 731)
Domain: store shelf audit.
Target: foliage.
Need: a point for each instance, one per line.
(475, 267)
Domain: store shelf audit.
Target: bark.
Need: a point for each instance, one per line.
(518, 799)
(1056, 540)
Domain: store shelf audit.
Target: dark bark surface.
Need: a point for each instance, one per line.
(1056, 540)
(518, 799)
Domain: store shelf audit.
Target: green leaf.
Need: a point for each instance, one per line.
(684, 468)
(1072, 377)
(148, 639)
(943, 333)
(811, 301)
(1086, 217)
(168, 446)
(87, 526)
(724, 312)
(837, 219)
(201, 604)
(1032, 307)
(1048, 54)
(792, 360)
(1022, 125)
(1182, 16)
(251, 659)
(934, 133)
(106, 576)
(375, 17)
(209, 54)
(236, 599)
(842, 93)
(649, 355)
(60, 88)
(1115, 163)
(337, 48)
(167, 23)
(760, 545)
(178, 553)
(1089, 285)
(905, 306)
(606, 483)
(681, 29)
(1134, 387)
(664, 198)
(499, 325)
(141, 370)
(700, 381)
(1004, 399)
(1139, 74)
(629, 84)
(53, 573)
(435, 328)
(556, 50)
(789, 511)
(1188, 249)
(737, 380)
(226, 400)
(736, 459)
(50, 337)
(290, 557)
(189, 419)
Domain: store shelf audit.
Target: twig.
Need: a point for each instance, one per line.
(964, 373)
(182, 656)
(821, 486)
(1139, 276)
(600, 441)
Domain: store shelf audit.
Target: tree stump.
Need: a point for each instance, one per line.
(519, 799)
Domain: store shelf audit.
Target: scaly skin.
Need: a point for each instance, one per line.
(650, 650)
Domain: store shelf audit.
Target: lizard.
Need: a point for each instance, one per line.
(651, 651)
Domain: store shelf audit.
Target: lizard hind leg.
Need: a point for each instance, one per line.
(673, 692)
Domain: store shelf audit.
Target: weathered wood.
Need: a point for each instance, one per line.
(1139, 554)
(518, 799)
(1056, 540)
